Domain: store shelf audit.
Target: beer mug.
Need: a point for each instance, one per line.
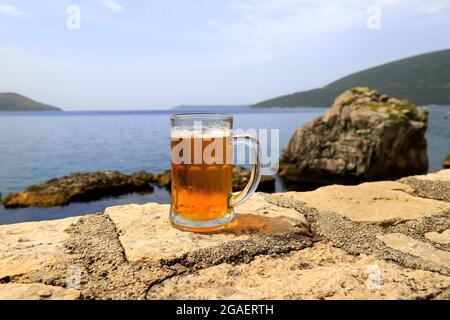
(201, 169)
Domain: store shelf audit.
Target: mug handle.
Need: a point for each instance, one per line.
(255, 175)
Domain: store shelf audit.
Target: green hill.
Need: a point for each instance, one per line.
(15, 102)
(422, 79)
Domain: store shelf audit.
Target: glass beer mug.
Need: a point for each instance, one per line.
(201, 168)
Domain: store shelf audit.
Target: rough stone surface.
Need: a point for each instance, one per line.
(32, 245)
(361, 238)
(364, 136)
(146, 233)
(372, 202)
(36, 291)
(440, 176)
(281, 246)
(319, 272)
(441, 237)
(409, 245)
(433, 185)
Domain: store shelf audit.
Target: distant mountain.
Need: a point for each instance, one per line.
(422, 79)
(15, 102)
(193, 107)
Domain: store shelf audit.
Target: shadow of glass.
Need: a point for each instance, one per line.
(248, 223)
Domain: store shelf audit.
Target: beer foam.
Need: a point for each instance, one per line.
(182, 133)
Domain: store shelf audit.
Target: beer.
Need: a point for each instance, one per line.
(201, 164)
(202, 180)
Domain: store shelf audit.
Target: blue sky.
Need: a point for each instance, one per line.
(155, 54)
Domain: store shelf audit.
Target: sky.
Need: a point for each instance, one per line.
(155, 54)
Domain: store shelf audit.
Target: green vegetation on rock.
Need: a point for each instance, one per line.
(15, 102)
(422, 79)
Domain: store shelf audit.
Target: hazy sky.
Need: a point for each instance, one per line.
(135, 54)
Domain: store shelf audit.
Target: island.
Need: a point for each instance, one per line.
(423, 79)
(10, 101)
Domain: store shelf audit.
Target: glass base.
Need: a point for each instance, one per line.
(200, 226)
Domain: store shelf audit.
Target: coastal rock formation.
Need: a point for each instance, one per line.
(162, 179)
(241, 177)
(78, 187)
(293, 245)
(364, 136)
(446, 162)
(240, 180)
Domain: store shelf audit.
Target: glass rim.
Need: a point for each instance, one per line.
(201, 116)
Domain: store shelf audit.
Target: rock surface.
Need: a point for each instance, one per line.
(433, 185)
(36, 291)
(372, 201)
(441, 237)
(282, 246)
(146, 233)
(401, 242)
(364, 136)
(319, 272)
(29, 246)
(446, 162)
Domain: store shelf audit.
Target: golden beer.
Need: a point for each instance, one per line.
(201, 166)
(201, 191)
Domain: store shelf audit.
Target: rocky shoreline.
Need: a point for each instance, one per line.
(83, 187)
(376, 240)
(446, 162)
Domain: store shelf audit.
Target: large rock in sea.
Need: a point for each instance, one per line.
(364, 136)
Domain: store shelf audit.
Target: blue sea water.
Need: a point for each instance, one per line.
(35, 147)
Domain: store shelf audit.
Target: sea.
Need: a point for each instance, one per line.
(38, 146)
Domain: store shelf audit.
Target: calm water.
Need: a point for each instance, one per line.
(35, 147)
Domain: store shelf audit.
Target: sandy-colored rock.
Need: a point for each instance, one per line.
(372, 202)
(36, 291)
(146, 234)
(442, 175)
(29, 246)
(433, 185)
(319, 272)
(412, 246)
(441, 237)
